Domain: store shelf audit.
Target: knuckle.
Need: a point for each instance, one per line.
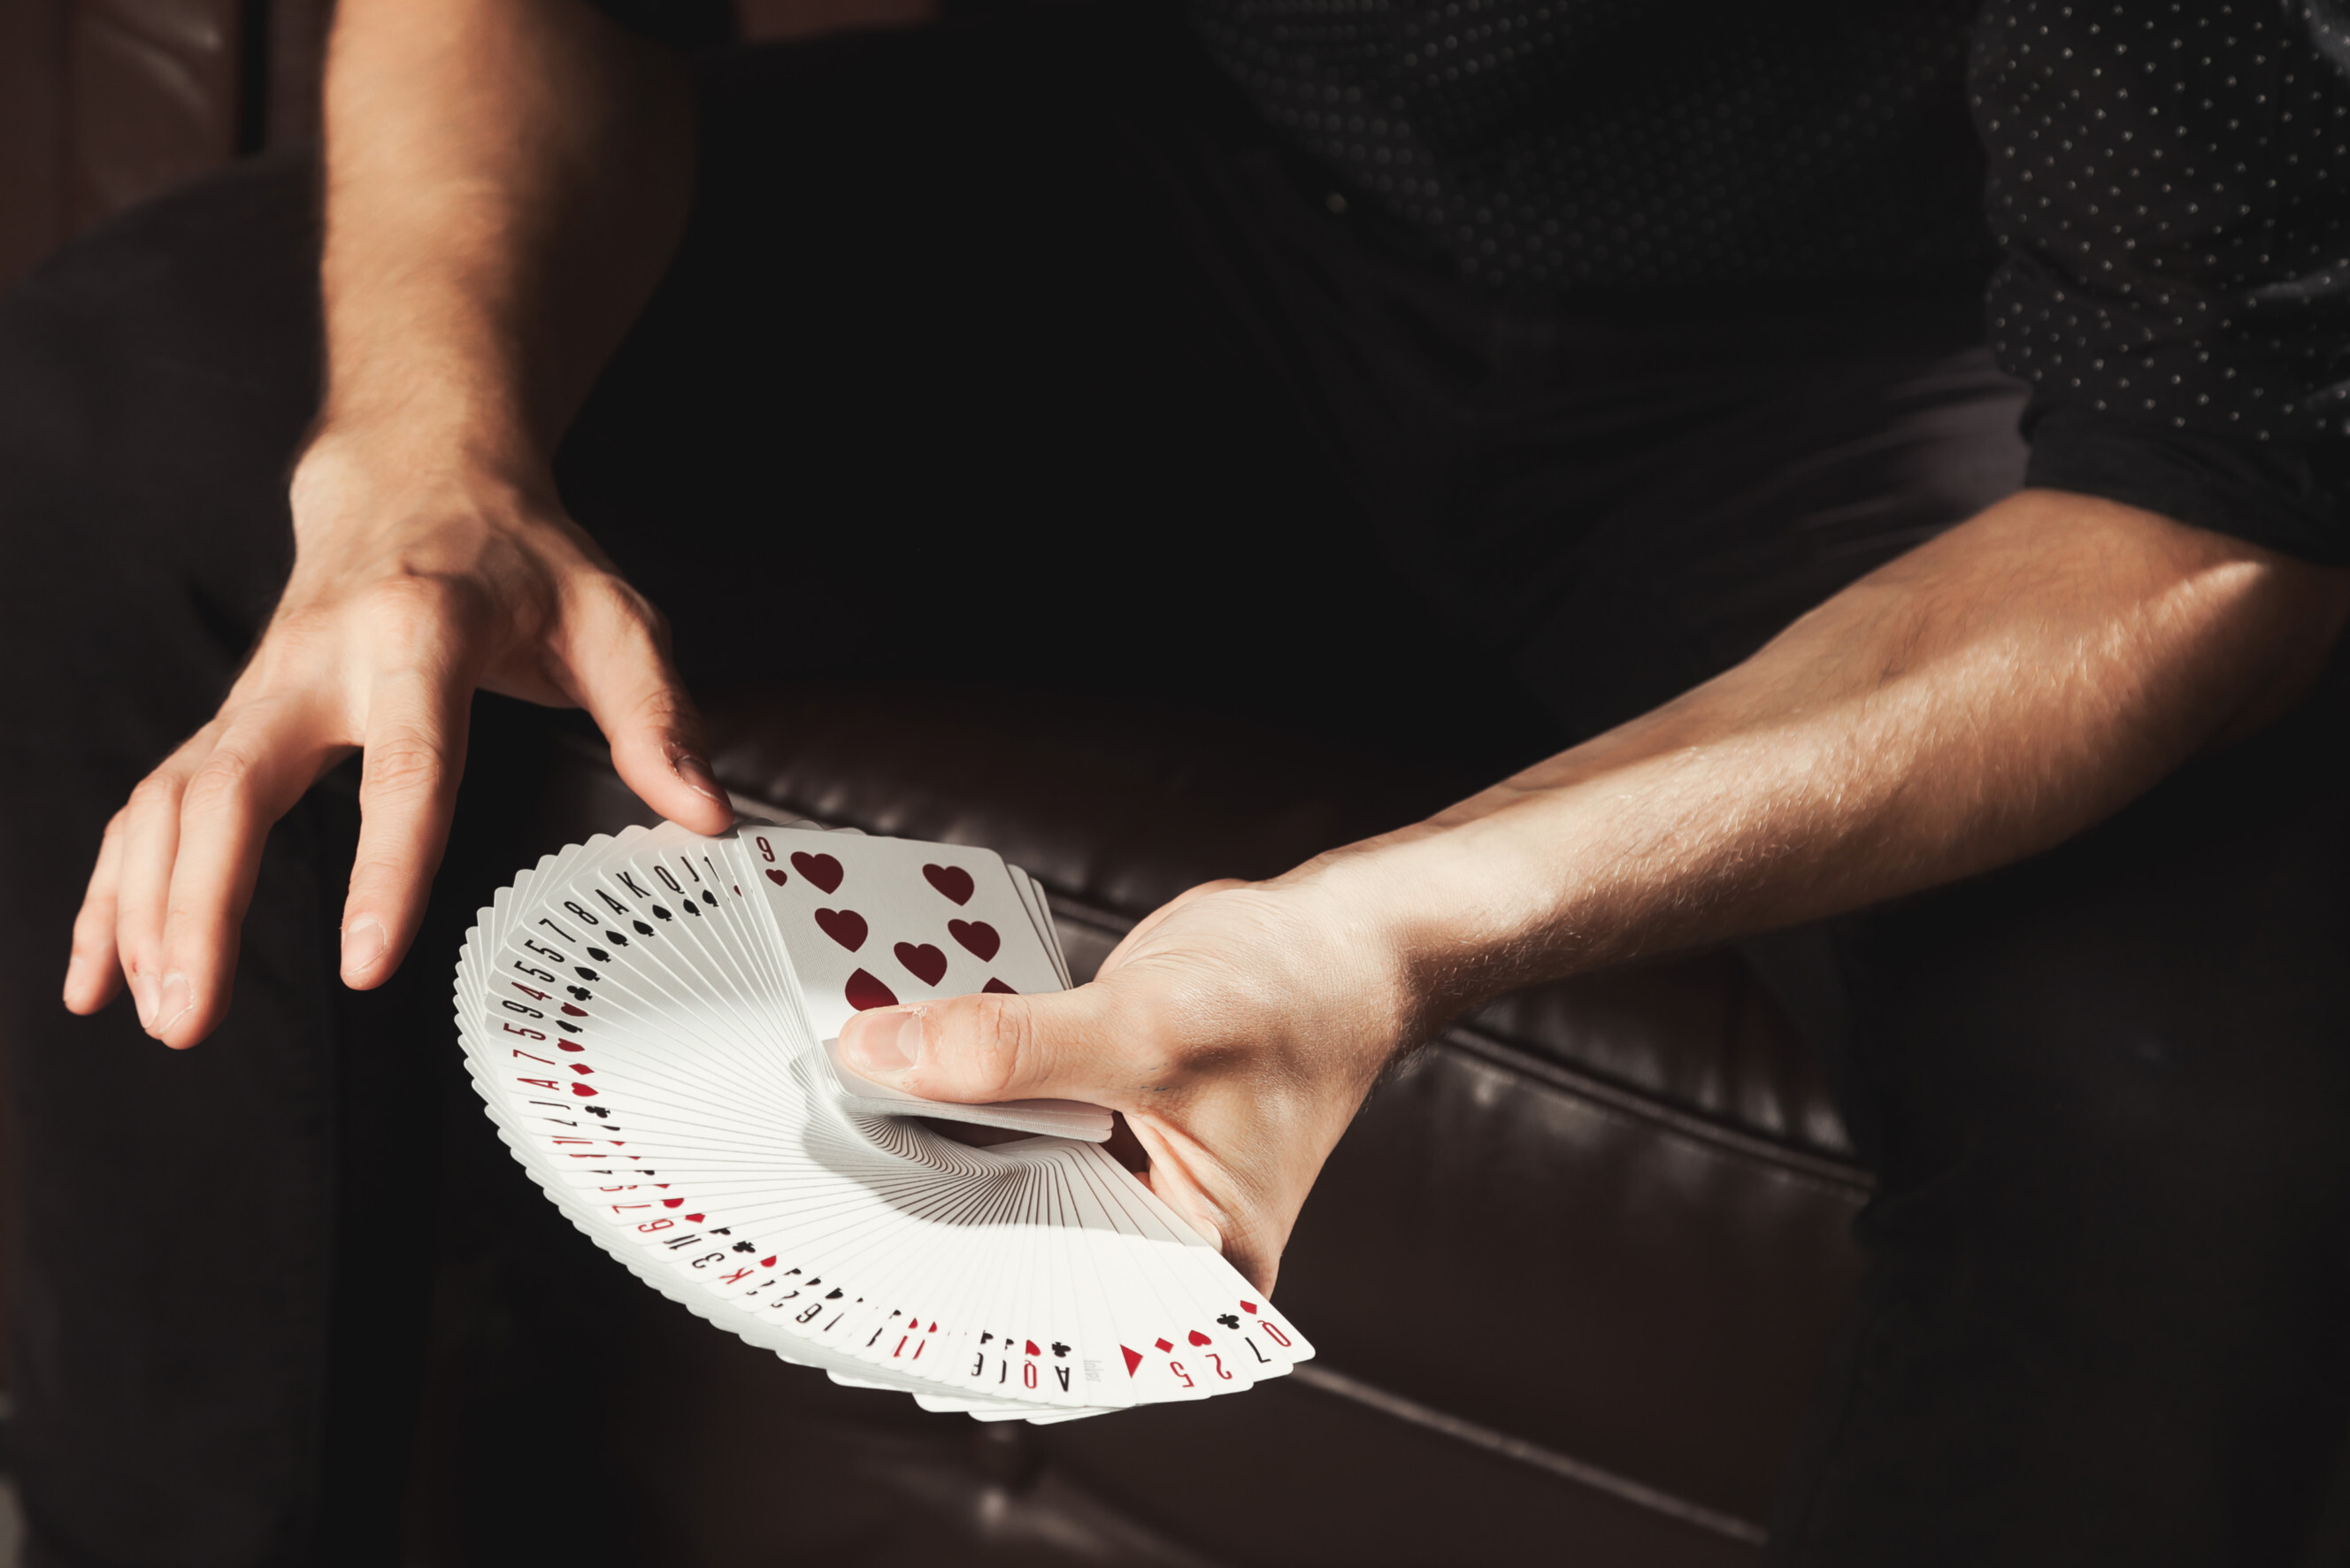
(217, 782)
(416, 609)
(999, 1044)
(374, 875)
(402, 764)
(665, 709)
(159, 790)
(617, 598)
(187, 927)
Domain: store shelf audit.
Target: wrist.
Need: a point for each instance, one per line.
(355, 473)
(1454, 913)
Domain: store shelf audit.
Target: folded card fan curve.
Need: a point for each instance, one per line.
(651, 1023)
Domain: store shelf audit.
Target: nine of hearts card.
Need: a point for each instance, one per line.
(651, 1021)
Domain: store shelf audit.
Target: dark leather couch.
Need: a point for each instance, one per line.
(1570, 1274)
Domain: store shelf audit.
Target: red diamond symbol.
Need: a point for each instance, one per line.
(1164, 1345)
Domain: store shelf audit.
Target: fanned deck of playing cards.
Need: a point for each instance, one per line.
(649, 1020)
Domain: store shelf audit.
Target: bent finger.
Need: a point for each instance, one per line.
(414, 752)
(614, 647)
(254, 773)
(142, 887)
(94, 971)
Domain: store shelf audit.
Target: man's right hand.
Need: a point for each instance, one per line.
(411, 588)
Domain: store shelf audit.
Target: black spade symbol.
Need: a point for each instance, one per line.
(661, 913)
(599, 955)
(584, 972)
(710, 897)
(642, 930)
(618, 940)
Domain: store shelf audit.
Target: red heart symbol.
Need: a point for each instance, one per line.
(996, 985)
(573, 1012)
(1198, 1338)
(1031, 1348)
(863, 992)
(977, 936)
(846, 927)
(1133, 1360)
(570, 1045)
(926, 963)
(696, 1219)
(952, 880)
(672, 1202)
(766, 1262)
(1249, 1307)
(776, 875)
(821, 869)
(583, 1091)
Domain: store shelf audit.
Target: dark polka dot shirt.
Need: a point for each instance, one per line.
(2169, 188)
(1615, 144)
(2167, 183)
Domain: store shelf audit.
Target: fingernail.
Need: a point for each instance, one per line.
(142, 995)
(363, 943)
(878, 1048)
(173, 1003)
(697, 775)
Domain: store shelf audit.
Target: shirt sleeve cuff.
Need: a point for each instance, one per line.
(2290, 497)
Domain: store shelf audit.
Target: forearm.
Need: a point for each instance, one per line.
(1981, 699)
(505, 181)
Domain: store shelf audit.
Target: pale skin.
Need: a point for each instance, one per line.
(1983, 698)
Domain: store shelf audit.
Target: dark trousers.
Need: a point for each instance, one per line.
(1022, 357)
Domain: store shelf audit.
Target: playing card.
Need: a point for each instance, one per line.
(646, 1019)
(871, 922)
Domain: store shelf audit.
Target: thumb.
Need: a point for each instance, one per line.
(989, 1046)
(619, 663)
